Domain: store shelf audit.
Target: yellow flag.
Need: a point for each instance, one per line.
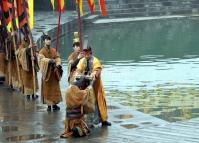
(31, 13)
(80, 4)
(53, 4)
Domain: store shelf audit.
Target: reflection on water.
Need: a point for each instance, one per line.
(25, 137)
(151, 66)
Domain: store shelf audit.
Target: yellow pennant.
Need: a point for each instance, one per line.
(53, 4)
(80, 4)
(31, 13)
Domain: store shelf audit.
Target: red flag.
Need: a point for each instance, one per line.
(60, 4)
(102, 7)
(5, 9)
(91, 4)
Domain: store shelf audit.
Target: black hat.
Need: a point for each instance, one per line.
(87, 48)
(45, 36)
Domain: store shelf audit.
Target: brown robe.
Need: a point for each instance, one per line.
(73, 56)
(26, 70)
(50, 88)
(12, 64)
(2, 65)
(82, 101)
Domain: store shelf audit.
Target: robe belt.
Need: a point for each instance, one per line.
(73, 113)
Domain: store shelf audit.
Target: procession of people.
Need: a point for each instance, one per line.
(21, 60)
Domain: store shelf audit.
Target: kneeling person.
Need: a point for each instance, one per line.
(80, 100)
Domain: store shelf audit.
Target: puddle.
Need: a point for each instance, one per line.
(25, 137)
(9, 128)
(112, 107)
(146, 123)
(129, 126)
(124, 116)
(117, 122)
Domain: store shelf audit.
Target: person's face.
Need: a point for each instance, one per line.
(47, 42)
(87, 54)
(76, 48)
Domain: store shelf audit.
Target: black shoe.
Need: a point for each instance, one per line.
(34, 96)
(106, 123)
(55, 108)
(49, 108)
(28, 97)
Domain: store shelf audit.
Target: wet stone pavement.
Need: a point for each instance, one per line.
(28, 121)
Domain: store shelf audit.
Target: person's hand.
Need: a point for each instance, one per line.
(30, 46)
(32, 58)
(80, 55)
(52, 61)
(92, 76)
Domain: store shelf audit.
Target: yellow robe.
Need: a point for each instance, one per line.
(98, 86)
(50, 88)
(26, 71)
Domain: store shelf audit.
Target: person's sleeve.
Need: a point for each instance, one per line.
(57, 59)
(96, 64)
(74, 64)
(80, 66)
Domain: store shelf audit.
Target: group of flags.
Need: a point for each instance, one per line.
(16, 13)
(91, 4)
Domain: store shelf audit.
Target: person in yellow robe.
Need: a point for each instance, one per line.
(74, 58)
(90, 65)
(50, 67)
(26, 68)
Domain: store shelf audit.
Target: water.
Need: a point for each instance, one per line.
(151, 66)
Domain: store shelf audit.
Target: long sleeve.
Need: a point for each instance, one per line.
(43, 64)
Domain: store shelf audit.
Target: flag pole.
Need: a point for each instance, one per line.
(58, 30)
(79, 25)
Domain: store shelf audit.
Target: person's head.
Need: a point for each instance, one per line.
(87, 52)
(82, 83)
(76, 42)
(76, 45)
(47, 40)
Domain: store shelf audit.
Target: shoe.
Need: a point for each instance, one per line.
(55, 107)
(49, 108)
(28, 97)
(106, 123)
(34, 96)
